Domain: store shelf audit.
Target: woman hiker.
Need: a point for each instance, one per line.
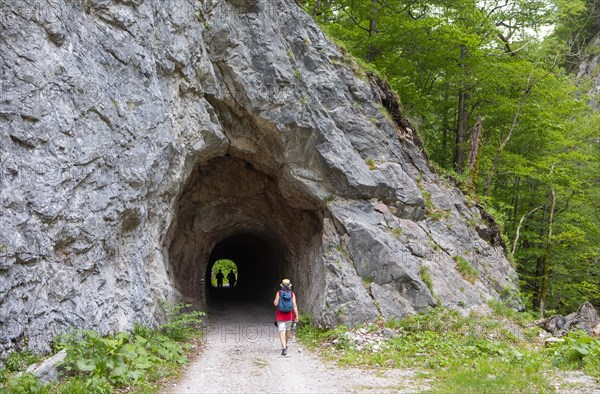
(287, 311)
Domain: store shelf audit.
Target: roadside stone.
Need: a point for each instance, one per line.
(47, 370)
(552, 340)
(389, 333)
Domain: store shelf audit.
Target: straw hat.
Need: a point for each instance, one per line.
(286, 283)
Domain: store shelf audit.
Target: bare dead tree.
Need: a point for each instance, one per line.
(514, 247)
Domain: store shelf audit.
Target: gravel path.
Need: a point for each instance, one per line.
(242, 354)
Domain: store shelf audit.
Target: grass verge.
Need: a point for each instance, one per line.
(498, 352)
(133, 362)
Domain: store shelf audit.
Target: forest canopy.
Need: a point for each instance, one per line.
(495, 91)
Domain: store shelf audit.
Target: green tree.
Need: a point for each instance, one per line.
(456, 61)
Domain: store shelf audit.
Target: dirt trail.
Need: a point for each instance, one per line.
(242, 354)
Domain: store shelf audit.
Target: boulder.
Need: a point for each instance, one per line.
(47, 371)
(585, 319)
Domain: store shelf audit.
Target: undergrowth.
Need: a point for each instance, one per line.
(127, 361)
(495, 353)
(578, 351)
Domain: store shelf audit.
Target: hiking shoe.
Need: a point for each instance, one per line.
(284, 351)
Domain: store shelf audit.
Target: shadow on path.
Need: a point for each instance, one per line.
(234, 325)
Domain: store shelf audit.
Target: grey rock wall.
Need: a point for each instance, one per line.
(109, 110)
(589, 68)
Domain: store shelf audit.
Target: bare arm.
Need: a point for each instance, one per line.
(276, 302)
(295, 307)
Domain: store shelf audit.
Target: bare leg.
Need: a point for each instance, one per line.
(283, 339)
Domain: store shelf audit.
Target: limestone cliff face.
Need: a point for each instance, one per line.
(590, 67)
(142, 140)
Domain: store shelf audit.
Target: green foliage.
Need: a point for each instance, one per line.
(426, 277)
(341, 249)
(431, 210)
(122, 361)
(427, 200)
(397, 232)
(25, 384)
(539, 131)
(475, 353)
(19, 360)
(313, 337)
(87, 384)
(371, 163)
(182, 322)
(466, 269)
(521, 373)
(578, 351)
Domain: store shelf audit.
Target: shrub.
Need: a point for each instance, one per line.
(578, 350)
(25, 384)
(180, 324)
(121, 361)
(18, 361)
(468, 353)
(85, 385)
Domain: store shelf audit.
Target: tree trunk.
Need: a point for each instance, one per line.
(463, 116)
(546, 260)
(373, 21)
(315, 9)
(539, 266)
(372, 50)
(445, 130)
(514, 247)
(475, 153)
(516, 201)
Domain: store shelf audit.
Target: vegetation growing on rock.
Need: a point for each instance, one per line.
(522, 74)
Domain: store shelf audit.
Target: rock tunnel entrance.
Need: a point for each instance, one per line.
(233, 209)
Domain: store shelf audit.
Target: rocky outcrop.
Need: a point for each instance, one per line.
(590, 68)
(585, 319)
(143, 140)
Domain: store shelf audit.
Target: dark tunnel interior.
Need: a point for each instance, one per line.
(261, 264)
